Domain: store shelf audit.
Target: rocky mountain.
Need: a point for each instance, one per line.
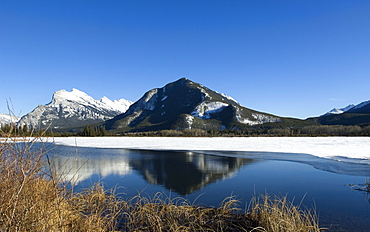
(352, 115)
(339, 110)
(75, 108)
(184, 104)
(363, 107)
(6, 119)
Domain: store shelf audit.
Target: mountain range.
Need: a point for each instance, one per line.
(75, 108)
(179, 105)
(349, 116)
(339, 110)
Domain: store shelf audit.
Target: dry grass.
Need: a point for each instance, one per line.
(277, 214)
(31, 199)
(161, 213)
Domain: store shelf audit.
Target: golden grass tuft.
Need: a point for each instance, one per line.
(165, 214)
(32, 199)
(277, 214)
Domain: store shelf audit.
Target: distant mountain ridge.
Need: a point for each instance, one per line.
(75, 108)
(339, 110)
(184, 104)
(351, 115)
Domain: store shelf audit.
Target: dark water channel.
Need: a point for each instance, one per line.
(210, 178)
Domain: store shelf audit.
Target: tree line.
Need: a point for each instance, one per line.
(320, 130)
(94, 130)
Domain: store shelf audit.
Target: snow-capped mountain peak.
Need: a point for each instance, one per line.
(116, 105)
(75, 95)
(361, 107)
(339, 110)
(68, 109)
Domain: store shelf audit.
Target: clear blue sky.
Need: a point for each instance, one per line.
(290, 58)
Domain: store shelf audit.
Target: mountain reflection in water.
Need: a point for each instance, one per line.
(243, 174)
(181, 172)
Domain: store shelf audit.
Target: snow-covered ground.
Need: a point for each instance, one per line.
(351, 147)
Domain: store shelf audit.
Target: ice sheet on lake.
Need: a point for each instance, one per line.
(328, 147)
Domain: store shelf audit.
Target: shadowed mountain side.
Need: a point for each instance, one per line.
(346, 119)
(352, 115)
(184, 104)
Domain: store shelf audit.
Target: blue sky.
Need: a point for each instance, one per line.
(289, 58)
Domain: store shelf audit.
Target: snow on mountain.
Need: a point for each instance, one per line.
(68, 109)
(184, 104)
(257, 119)
(6, 119)
(339, 111)
(229, 98)
(205, 109)
(77, 96)
(362, 104)
(350, 108)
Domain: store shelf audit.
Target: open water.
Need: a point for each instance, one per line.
(208, 178)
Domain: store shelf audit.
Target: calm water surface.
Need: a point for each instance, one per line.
(210, 178)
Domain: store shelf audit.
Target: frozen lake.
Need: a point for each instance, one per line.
(209, 176)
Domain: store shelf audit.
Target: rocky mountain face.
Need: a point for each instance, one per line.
(75, 108)
(7, 119)
(184, 104)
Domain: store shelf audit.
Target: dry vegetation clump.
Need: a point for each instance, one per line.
(277, 214)
(362, 187)
(32, 199)
(166, 214)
